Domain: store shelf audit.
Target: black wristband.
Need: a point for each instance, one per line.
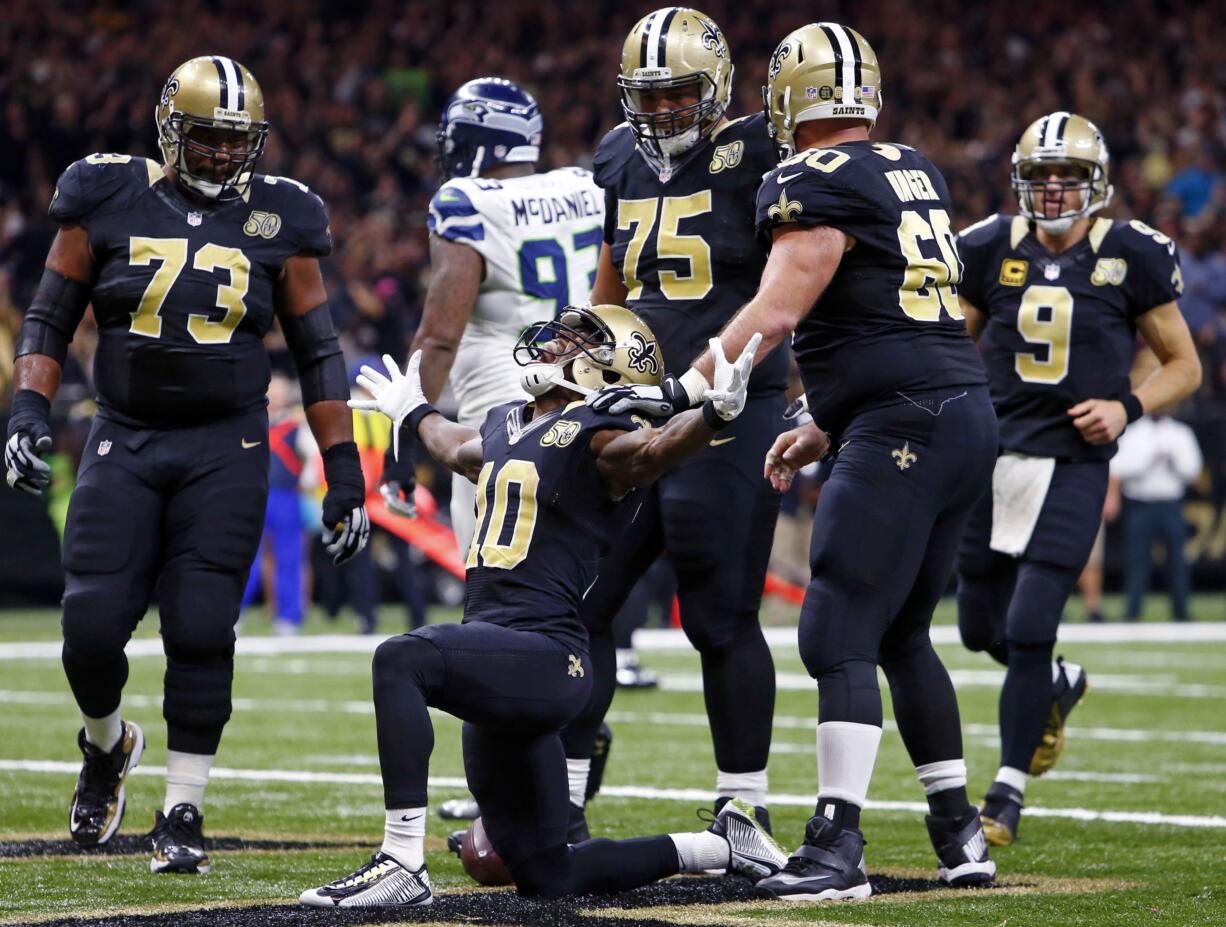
(413, 421)
(1132, 406)
(713, 419)
(343, 467)
(29, 407)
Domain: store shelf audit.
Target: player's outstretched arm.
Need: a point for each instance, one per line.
(455, 280)
(399, 396)
(302, 306)
(59, 303)
(1178, 375)
(801, 264)
(630, 459)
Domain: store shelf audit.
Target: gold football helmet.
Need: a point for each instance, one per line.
(1052, 145)
(672, 49)
(820, 71)
(211, 126)
(598, 346)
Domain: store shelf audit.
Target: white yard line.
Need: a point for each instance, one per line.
(650, 639)
(630, 791)
(656, 718)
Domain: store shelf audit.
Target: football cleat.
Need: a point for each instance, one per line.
(98, 802)
(754, 852)
(178, 841)
(631, 674)
(1001, 813)
(763, 816)
(381, 882)
(962, 850)
(828, 866)
(459, 809)
(1069, 688)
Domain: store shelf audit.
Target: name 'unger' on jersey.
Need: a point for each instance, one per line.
(889, 324)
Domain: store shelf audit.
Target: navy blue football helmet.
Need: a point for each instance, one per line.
(487, 121)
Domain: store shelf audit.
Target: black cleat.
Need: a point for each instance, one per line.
(962, 850)
(829, 866)
(98, 803)
(1068, 690)
(178, 841)
(1001, 813)
(455, 840)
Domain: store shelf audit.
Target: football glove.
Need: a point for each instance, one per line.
(395, 397)
(29, 437)
(346, 524)
(399, 479)
(731, 387)
(673, 395)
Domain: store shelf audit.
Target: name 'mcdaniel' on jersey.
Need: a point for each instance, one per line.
(539, 236)
(1061, 328)
(888, 325)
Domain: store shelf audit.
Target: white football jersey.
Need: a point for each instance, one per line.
(540, 237)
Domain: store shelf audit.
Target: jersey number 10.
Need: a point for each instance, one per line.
(496, 543)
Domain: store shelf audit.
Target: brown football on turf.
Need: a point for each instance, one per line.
(481, 860)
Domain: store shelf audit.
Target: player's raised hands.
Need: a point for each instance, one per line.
(395, 395)
(731, 386)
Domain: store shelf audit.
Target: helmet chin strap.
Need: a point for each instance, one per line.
(1057, 226)
(538, 379)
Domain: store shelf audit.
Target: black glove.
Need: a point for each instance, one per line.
(400, 476)
(29, 437)
(663, 401)
(346, 525)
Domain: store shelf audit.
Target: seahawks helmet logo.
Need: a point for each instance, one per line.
(713, 39)
(778, 58)
(642, 354)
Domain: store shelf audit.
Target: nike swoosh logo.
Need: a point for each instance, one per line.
(405, 817)
(716, 442)
(250, 444)
(784, 178)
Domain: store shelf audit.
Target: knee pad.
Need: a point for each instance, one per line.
(720, 632)
(848, 691)
(1038, 603)
(406, 656)
(545, 874)
(97, 620)
(978, 622)
(198, 685)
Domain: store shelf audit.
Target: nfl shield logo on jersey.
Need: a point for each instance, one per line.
(1051, 272)
(104, 448)
(194, 219)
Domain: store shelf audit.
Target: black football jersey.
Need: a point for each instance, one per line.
(685, 246)
(184, 290)
(889, 322)
(544, 518)
(1061, 328)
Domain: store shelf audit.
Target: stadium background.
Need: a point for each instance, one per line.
(353, 91)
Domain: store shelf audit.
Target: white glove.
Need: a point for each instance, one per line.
(731, 381)
(396, 397)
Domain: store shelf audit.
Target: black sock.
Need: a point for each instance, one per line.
(949, 803)
(1025, 703)
(843, 813)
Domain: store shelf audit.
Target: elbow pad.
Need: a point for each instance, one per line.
(53, 317)
(317, 355)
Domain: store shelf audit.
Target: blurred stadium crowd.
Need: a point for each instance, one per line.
(353, 91)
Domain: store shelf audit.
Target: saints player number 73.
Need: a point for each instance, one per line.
(171, 253)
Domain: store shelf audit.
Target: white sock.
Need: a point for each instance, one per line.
(576, 775)
(186, 776)
(103, 733)
(404, 836)
(749, 787)
(846, 753)
(1013, 777)
(942, 775)
(702, 851)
